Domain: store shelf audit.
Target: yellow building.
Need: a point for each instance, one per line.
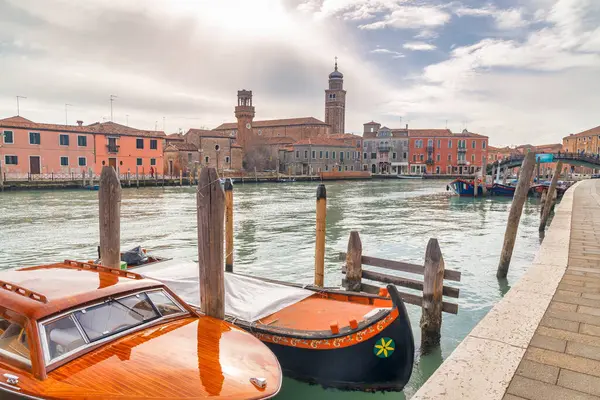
(586, 141)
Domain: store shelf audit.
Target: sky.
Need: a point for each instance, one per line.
(518, 71)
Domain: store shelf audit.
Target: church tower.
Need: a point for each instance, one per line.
(244, 112)
(335, 101)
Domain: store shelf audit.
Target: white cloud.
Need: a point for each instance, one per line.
(419, 46)
(508, 19)
(394, 54)
(411, 17)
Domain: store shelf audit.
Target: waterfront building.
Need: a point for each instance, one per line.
(29, 147)
(385, 150)
(439, 151)
(587, 142)
(217, 149)
(335, 102)
(321, 154)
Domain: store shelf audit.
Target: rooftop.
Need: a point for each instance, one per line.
(209, 133)
(589, 132)
(181, 146)
(272, 123)
(321, 141)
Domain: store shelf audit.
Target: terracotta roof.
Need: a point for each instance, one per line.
(429, 132)
(118, 129)
(287, 148)
(344, 136)
(402, 132)
(17, 119)
(274, 123)
(589, 132)
(23, 123)
(275, 140)
(182, 146)
(209, 133)
(320, 141)
(175, 137)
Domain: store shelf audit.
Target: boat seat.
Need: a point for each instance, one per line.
(65, 337)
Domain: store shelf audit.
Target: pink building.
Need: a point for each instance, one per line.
(36, 148)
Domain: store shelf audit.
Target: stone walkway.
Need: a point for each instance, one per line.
(562, 360)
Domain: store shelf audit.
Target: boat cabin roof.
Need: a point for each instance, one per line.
(39, 292)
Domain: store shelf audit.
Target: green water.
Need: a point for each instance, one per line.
(274, 237)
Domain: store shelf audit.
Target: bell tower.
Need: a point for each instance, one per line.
(244, 112)
(335, 102)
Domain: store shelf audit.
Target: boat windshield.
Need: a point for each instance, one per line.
(85, 326)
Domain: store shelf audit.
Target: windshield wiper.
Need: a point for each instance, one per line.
(110, 299)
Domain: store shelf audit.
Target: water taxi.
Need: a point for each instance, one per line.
(82, 331)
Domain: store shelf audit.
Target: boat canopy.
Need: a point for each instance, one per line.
(246, 298)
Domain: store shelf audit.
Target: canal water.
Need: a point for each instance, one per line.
(274, 237)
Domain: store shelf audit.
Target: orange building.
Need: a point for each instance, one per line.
(439, 151)
(29, 147)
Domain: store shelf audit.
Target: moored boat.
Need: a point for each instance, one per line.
(499, 189)
(399, 176)
(82, 331)
(463, 187)
(331, 337)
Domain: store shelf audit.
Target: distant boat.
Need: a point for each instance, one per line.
(286, 180)
(499, 189)
(409, 176)
(463, 187)
(92, 187)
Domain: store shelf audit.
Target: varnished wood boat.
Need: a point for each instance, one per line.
(331, 337)
(81, 331)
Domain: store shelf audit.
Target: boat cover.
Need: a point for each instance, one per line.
(246, 298)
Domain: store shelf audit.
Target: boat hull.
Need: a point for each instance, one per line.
(464, 188)
(502, 190)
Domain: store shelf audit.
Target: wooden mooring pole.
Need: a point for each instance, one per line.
(180, 177)
(137, 177)
(228, 225)
(320, 235)
(211, 209)
(547, 205)
(514, 216)
(433, 287)
(353, 280)
(109, 196)
(2, 178)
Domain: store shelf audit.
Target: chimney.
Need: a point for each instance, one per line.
(80, 122)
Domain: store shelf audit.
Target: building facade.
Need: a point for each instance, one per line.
(335, 102)
(439, 151)
(181, 157)
(586, 142)
(34, 148)
(385, 150)
(312, 156)
(216, 149)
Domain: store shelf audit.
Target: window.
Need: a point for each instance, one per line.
(332, 96)
(139, 143)
(327, 155)
(217, 147)
(449, 143)
(348, 155)
(139, 161)
(11, 160)
(8, 137)
(206, 159)
(365, 156)
(297, 153)
(404, 155)
(63, 337)
(82, 141)
(327, 168)
(13, 343)
(321, 154)
(163, 303)
(472, 158)
(483, 144)
(189, 157)
(414, 157)
(438, 157)
(430, 142)
(449, 157)
(305, 154)
(82, 161)
(341, 156)
(439, 143)
(153, 161)
(421, 157)
(418, 144)
(373, 156)
(314, 154)
(473, 144)
(63, 140)
(153, 144)
(34, 138)
(352, 168)
(333, 155)
(393, 156)
(64, 161)
(339, 168)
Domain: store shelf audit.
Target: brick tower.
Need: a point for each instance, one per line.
(244, 112)
(335, 101)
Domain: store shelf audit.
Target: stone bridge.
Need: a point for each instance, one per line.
(584, 160)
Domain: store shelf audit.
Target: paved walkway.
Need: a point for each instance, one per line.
(562, 360)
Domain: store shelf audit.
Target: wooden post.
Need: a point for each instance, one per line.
(354, 263)
(320, 235)
(1, 178)
(484, 177)
(137, 177)
(538, 170)
(255, 175)
(549, 197)
(543, 203)
(514, 216)
(180, 177)
(475, 186)
(83, 178)
(433, 286)
(109, 197)
(211, 208)
(228, 225)
(505, 175)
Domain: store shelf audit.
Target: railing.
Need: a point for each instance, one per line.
(429, 161)
(384, 148)
(112, 148)
(462, 149)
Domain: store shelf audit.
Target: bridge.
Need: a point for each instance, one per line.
(585, 160)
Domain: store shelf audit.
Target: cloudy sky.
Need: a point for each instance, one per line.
(519, 71)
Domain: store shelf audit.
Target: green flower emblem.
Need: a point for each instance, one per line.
(384, 347)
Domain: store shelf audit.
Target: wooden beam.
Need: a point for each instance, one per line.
(431, 316)
(354, 272)
(549, 197)
(109, 199)
(320, 235)
(210, 202)
(451, 308)
(228, 225)
(449, 274)
(512, 225)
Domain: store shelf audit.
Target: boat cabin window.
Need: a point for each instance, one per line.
(77, 329)
(13, 340)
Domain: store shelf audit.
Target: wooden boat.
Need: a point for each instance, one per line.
(499, 189)
(331, 337)
(537, 190)
(82, 331)
(463, 187)
(409, 176)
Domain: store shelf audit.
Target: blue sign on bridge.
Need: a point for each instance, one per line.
(544, 158)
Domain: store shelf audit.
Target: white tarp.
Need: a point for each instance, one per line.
(246, 298)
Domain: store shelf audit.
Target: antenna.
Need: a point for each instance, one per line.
(19, 97)
(66, 119)
(112, 98)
